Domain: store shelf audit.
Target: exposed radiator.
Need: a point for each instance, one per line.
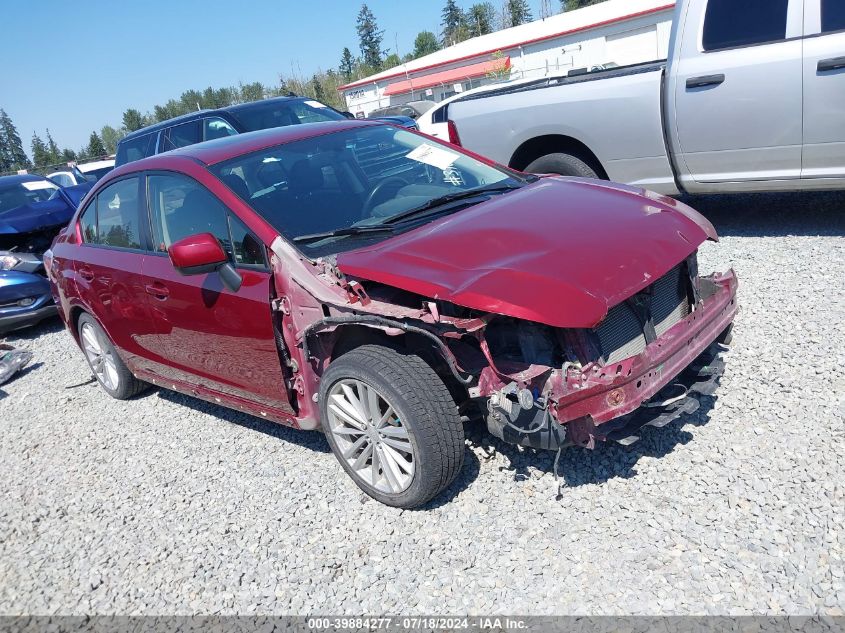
(621, 334)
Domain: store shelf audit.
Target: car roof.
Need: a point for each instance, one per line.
(199, 114)
(226, 148)
(18, 178)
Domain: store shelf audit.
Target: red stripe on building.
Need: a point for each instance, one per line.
(400, 73)
(448, 76)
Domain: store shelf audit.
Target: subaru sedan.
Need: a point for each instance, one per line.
(381, 286)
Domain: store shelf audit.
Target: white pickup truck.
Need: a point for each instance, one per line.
(752, 98)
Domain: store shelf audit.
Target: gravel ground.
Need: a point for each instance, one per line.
(167, 504)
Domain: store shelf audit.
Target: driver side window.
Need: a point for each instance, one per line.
(181, 207)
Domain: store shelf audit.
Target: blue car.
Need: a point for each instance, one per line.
(33, 210)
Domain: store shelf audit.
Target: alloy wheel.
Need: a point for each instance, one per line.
(370, 435)
(100, 355)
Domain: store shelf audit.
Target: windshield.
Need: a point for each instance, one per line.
(19, 194)
(267, 114)
(363, 178)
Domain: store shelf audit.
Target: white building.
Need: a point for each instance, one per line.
(618, 31)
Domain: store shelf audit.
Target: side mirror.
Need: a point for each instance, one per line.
(201, 254)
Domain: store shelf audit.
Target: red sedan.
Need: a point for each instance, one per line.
(384, 286)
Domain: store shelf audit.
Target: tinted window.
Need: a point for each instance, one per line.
(246, 248)
(112, 218)
(730, 23)
(217, 128)
(136, 148)
(181, 135)
(267, 114)
(88, 223)
(63, 179)
(18, 194)
(833, 15)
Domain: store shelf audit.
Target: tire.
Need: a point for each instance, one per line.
(562, 164)
(108, 368)
(424, 433)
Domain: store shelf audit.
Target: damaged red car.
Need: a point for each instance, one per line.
(379, 285)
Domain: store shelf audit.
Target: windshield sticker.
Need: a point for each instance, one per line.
(434, 156)
(316, 104)
(36, 185)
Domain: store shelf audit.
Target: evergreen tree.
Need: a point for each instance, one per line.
(425, 44)
(12, 155)
(480, 19)
(110, 137)
(518, 12)
(95, 146)
(68, 155)
(40, 153)
(347, 65)
(369, 38)
(132, 120)
(392, 60)
(317, 86)
(54, 155)
(453, 23)
(571, 5)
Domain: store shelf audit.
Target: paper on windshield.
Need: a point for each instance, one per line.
(432, 155)
(315, 104)
(35, 185)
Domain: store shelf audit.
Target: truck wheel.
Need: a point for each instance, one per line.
(563, 164)
(104, 361)
(392, 425)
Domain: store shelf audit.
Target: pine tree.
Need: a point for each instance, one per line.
(110, 137)
(40, 153)
(425, 44)
(13, 155)
(347, 65)
(518, 12)
(453, 23)
(95, 146)
(571, 5)
(132, 120)
(369, 38)
(480, 19)
(68, 155)
(54, 155)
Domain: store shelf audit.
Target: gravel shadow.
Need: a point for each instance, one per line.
(773, 214)
(313, 440)
(580, 466)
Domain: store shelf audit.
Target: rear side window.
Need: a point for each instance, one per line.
(217, 128)
(833, 16)
(730, 23)
(112, 218)
(136, 148)
(181, 135)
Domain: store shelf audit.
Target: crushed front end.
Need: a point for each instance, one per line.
(548, 387)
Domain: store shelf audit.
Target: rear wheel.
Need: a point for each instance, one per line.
(563, 164)
(392, 425)
(109, 370)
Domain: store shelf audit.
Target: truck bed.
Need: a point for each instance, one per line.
(616, 113)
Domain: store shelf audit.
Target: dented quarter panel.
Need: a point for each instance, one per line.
(560, 251)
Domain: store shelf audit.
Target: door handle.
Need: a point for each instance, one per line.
(705, 80)
(86, 273)
(159, 291)
(834, 63)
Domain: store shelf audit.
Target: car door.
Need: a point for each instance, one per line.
(207, 334)
(824, 92)
(737, 93)
(108, 268)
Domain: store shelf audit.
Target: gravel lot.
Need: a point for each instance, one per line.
(166, 504)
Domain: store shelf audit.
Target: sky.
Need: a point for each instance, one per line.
(74, 67)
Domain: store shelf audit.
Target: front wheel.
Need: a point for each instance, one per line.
(392, 425)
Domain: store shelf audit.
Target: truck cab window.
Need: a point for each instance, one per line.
(833, 16)
(729, 23)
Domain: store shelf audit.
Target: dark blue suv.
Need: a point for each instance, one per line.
(205, 125)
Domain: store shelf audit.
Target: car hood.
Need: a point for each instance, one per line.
(16, 285)
(561, 251)
(40, 216)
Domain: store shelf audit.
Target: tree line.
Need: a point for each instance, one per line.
(457, 25)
